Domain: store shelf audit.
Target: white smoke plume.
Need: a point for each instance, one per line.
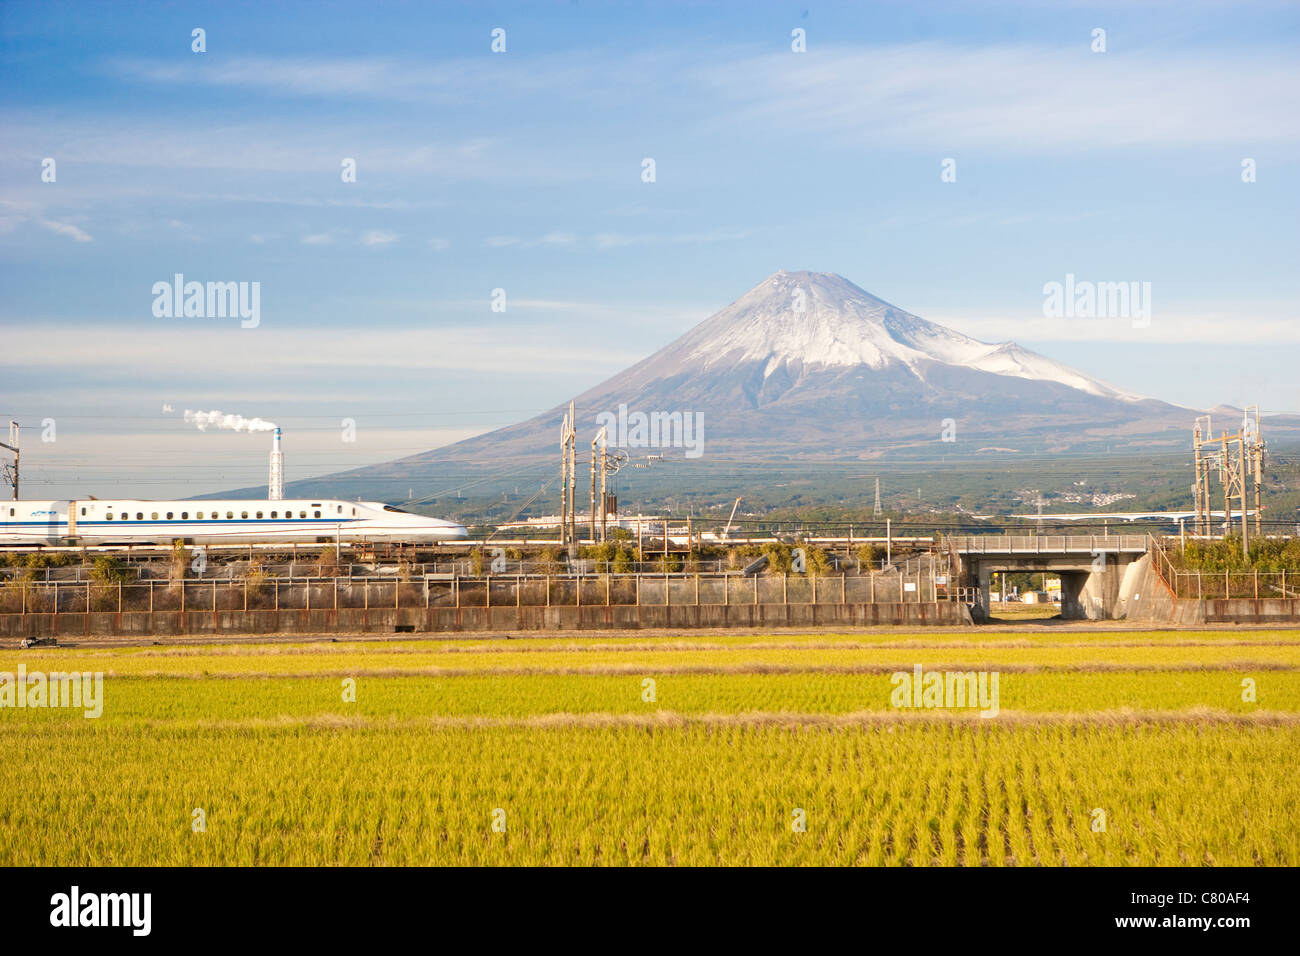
(220, 420)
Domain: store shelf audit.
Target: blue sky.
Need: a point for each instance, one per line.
(522, 171)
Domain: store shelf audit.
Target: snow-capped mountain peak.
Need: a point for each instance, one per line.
(807, 320)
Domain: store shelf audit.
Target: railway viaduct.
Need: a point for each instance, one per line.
(1091, 567)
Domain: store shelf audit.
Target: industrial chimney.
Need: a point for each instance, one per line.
(275, 487)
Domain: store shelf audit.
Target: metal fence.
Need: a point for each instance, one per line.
(1200, 585)
(437, 591)
(1206, 585)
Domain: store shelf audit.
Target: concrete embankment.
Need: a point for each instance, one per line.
(87, 626)
(1144, 596)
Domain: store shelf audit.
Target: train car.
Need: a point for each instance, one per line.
(129, 521)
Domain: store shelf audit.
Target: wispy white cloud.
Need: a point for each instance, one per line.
(1027, 98)
(1012, 98)
(67, 229)
(557, 239)
(615, 240)
(1244, 323)
(378, 237)
(247, 354)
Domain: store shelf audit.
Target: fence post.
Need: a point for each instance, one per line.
(245, 595)
(785, 587)
(1225, 584)
(336, 593)
(607, 587)
(844, 599)
(697, 591)
(1256, 586)
(119, 597)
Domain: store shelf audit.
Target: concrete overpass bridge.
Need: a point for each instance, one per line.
(1091, 567)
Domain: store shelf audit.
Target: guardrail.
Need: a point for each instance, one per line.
(1047, 544)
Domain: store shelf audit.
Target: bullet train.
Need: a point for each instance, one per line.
(127, 521)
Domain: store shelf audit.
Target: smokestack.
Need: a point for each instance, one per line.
(275, 487)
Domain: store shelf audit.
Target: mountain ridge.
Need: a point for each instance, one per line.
(807, 366)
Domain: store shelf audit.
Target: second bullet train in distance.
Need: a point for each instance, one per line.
(131, 521)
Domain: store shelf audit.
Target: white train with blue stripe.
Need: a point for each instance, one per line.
(129, 521)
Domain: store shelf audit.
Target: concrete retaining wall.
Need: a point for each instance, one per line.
(1145, 597)
(477, 619)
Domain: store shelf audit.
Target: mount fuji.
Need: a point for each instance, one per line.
(807, 366)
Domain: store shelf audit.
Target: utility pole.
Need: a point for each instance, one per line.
(13, 447)
(1225, 475)
(573, 480)
(594, 441)
(604, 499)
(1241, 491)
(1251, 429)
(876, 512)
(564, 482)
(1202, 476)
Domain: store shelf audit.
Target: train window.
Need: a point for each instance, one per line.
(244, 515)
(259, 514)
(185, 516)
(155, 516)
(397, 510)
(229, 515)
(302, 514)
(317, 514)
(275, 514)
(340, 509)
(106, 517)
(200, 516)
(170, 515)
(354, 512)
(139, 516)
(83, 512)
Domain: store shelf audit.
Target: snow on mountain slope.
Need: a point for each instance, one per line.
(821, 319)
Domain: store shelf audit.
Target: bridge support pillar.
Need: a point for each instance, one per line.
(983, 609)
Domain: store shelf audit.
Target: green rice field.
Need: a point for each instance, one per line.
(1106, 748)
